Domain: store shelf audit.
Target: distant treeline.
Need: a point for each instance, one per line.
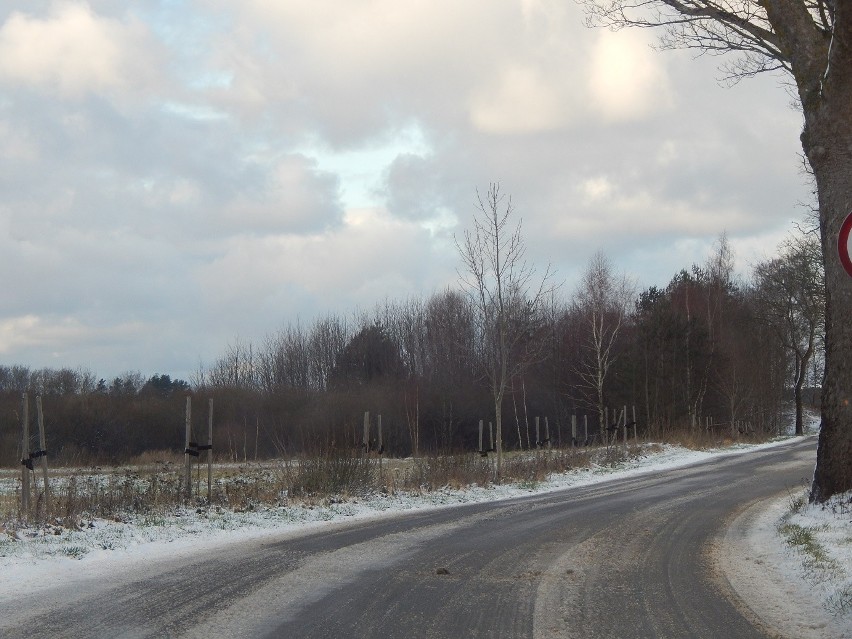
(704, 346)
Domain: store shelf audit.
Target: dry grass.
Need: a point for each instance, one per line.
(155, 483)
(701, 439)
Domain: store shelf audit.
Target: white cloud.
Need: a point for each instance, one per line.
(56, 334)
(596, 189)
(298, 158)
(338, 270)
(520, 100)
(627, 79)
(73, 51)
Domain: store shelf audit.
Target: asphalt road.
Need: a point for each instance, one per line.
(627, 558)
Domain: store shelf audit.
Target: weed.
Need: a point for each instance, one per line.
(75, 552)
(840, 602)
(796, 502)
(815, 558)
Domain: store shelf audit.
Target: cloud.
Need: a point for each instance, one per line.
(521, 100)
(200, 171)
(72, 51)
(627, 79)
(371, 256)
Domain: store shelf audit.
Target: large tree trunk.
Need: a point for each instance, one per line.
(827, 141)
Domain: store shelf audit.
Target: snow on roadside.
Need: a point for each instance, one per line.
(819, 537)
(34, 558)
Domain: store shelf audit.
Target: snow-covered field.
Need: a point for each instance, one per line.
(34, 558)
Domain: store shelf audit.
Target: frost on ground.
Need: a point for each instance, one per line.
(778, 582)
(820, 537)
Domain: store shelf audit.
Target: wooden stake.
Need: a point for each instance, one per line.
(379, 449)
(547, 432)
(573, 430)
(25, 457)
(586, 427)
(367, 433)
(188, 469)
(537, 434)
(480, 435)
(210, 451)
(43, 447)
(634, 423)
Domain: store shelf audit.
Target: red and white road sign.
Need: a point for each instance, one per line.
(843, 247)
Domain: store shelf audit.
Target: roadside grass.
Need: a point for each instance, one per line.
(810, 530)
(154, 486)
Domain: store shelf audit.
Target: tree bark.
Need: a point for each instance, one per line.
(827, 142)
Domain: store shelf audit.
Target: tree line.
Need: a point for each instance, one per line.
(705, 351)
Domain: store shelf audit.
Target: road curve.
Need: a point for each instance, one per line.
(631, 557)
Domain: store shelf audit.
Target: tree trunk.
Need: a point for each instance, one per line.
(827, 141)
(797, 393)
(498, 419)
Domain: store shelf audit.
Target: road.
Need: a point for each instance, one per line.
(627, 558)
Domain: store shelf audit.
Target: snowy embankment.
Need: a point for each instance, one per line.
(35, 558)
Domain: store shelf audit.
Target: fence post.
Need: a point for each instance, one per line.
(210, 451)
(634, 423)
(380, 447)
(25, 457)
(188, 460)
(537, 433)
(547, 432)
(43, 454)
(573, 431)
(366, 440)
(586, 427)
(480, 435)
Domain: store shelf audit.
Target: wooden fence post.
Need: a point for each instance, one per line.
(573, 430)
(480, 435)
(210, 451)
(186, 450)
(43, 454)
(380, 448)
(586, 427)
(547, 432)
(25, 457)
(366, 436)
(537, 433)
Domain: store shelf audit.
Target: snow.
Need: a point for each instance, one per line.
(35, 559)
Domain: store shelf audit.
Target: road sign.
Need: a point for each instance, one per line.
(843, 247)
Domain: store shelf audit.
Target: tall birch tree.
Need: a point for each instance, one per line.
(507, 297)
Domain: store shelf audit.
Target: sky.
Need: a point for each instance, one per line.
(177, 175)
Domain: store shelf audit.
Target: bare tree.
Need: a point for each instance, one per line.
(789, 291)
(810, 41)
(507, 298)
(603, 301)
